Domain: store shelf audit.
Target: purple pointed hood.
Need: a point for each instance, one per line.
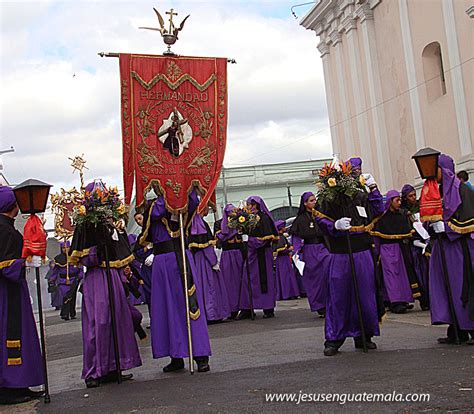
(198, 226)
(263, 207)
(225, 230)
(7, 199)
(451, 184)
(304, 198)
(280, 224)
(389, 197)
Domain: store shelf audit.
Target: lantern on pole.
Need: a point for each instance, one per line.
(32, 197)
(427, 162)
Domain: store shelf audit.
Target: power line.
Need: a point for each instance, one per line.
(363, 111)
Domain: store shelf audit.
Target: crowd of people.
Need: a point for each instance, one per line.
(353, 257)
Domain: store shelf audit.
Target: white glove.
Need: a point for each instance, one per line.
(420, 244)
(369, 180)
(35, 262)
(343, 223)
(216, 267)
(438, 227)
(245, 237)
(149, 260)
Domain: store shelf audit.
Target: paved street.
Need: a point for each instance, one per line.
(280, 355)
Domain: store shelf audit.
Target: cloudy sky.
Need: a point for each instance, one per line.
(277, 107)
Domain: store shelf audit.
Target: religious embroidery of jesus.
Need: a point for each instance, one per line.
(175, 133)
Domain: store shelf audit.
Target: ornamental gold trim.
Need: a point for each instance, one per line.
(6, 263)
(13, 344)
(392, 236)
(461, 230)
(173, 85)
(202, 245)
(14, 361)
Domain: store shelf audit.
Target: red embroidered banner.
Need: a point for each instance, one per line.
(174, 125)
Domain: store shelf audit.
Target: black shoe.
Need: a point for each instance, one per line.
(176, 364)
(34, 394)
(233, 315)
(15, 400)
(245, 314)
(370, 345)
(398, 308)
(112, 377)
(203, 366)
(359, 345)
(73, 317)
(321, 313)
(470, 342)
(330, 351)
(65, 318)
(267, 315)
(92, 383)
(214, 322)
(425, 307)
(450, 341)
(410, 306)
(140, 332)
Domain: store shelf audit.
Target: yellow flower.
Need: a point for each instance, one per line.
(332, 182)
(362, 179)
(121, 209)
(242, 219)
(82, 210)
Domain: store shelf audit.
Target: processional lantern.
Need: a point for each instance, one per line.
(32, 196)
(427, 162)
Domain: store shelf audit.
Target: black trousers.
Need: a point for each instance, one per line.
(340, 342)
(68, 309)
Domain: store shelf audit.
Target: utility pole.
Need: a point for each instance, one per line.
(289, 195)
(6, 151)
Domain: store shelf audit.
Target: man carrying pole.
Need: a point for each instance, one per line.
(344, 214)
(178, 329)
(107, 325)
(452, 258)
(20, 353)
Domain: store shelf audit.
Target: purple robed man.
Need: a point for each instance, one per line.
(336, 218)
(67, 278)
(53, 289)
(286, 283)
(144, 255)
(260, 263)
(393, 238)
(169, 336)
(210, 285)
(232, 259)
(309, 244)
(419, 246)
(20, 354)
(456, 231)
(133, 277)
(87, 248)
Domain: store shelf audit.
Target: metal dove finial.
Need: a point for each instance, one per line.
(169, 36)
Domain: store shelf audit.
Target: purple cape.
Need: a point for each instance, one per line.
(451, 183)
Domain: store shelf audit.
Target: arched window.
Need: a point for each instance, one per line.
(433, 71)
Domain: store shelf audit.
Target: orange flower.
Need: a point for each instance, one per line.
(346, 168)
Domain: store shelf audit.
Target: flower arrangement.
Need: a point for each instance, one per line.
(101, 205)
(242, 219)
(338, 178)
